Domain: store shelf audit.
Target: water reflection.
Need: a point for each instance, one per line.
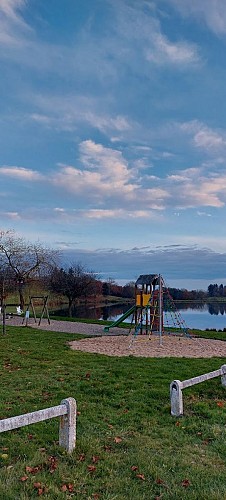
(108, 312)
(199, 315)
(217, 308)
(213, 308)
(111, 311)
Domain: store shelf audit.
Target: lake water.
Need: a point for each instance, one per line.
(202, 317)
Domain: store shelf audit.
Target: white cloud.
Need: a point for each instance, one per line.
(21, 173)
(211, 12)
(11, 215)
(68, 113)
(106, 174)
(203, 214)
(118, 214)
(180, 53)
(12, 24)
(204, 137)
(191, 188)
(106, 185)
(11, 10)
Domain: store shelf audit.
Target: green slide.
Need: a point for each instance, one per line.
(121, 319)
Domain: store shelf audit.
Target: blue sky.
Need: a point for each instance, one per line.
(113, 133)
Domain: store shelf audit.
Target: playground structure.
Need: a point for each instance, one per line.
(152, 298)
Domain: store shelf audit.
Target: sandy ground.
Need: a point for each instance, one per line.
(172, 346)
(118, 343)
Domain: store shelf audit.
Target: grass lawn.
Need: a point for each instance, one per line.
(128, 445)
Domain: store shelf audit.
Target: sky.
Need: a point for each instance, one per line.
(113, 134)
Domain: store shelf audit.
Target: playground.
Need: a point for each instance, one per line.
(150, 333)
(119, 343)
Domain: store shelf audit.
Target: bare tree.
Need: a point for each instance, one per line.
(7, 282)
(73, 282)
(26, 260)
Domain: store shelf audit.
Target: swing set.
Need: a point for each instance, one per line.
(31, 306)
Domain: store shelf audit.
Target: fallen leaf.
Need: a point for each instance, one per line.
(107, 448)
(134, 467)
(185, 483)
(52, 462)
(41, 489)
(95, 496)
(140, 476)
(46, 395)
(220, 404)
(117, 439)
(177, 424)
(37, 485)
(82, 457)
(95, 459)
(33, 470)
(88, 375)
(159, 481)
(28, 468)
(67, 487)
(30, 436)
(23, 478)
(91, 468)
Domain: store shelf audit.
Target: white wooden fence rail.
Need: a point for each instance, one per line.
(67, 413)
(177, 386)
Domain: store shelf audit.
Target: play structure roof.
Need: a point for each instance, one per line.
(147, 279)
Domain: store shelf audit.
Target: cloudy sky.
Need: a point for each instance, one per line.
(113, 133)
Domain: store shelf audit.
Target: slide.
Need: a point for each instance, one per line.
(121, 319)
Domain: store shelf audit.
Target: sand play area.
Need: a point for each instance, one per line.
(172, 346)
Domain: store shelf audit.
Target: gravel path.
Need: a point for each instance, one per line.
(118, 343)
(67, 326)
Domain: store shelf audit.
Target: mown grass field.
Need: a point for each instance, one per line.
(128, 445)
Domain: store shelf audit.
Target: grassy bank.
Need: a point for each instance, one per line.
(128, 445)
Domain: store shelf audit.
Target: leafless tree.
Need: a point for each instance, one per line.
(26, 260)
(73, 282)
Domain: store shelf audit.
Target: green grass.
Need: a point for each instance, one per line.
(156, 455)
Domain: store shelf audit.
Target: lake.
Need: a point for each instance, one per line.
(200, 316)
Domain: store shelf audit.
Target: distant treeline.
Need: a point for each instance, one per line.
(213, 290)
(128, 291)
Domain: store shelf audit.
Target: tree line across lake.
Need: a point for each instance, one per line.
(26, 266)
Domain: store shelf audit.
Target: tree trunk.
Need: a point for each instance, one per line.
(70, 304)
(3, 319)
(22, 301)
